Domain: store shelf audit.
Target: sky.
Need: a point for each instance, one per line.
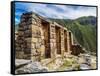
(53, 11)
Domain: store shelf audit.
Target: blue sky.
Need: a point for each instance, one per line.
(53, 11)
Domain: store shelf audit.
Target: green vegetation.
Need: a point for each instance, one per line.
(69, 64)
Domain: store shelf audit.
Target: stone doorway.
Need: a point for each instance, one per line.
(46, 33)
(65, 40)
(58, 40)
(70, 40)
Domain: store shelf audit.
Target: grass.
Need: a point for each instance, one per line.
(69, 64)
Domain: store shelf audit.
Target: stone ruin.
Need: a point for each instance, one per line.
(39, 38)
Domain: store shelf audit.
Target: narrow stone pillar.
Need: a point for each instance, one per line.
(36, 39)
(68, 43)
(52, 40)
(62, 42)
(72, 39)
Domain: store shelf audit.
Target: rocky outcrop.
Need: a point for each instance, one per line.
(30, 67)
(76, 49)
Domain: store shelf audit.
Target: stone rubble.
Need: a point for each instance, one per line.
(32, 67)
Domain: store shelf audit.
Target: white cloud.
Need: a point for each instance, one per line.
(61, 11)
(85, 11)
(17, 20)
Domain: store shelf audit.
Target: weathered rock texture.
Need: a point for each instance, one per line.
(39, 38)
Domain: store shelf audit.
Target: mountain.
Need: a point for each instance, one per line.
(87, 20)
(83, 29)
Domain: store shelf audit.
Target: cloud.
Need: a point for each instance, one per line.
(17, 20)
(54, 11)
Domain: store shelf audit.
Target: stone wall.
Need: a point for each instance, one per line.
(39, 38)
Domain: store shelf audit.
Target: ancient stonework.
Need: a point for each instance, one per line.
(38, 38)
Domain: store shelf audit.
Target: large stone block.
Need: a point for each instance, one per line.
(28, 40)
(34, 39)
(42, 48)
(36, 33)
(19, 54)
(52, 36)
(42, 36)
(32, 45)
(39, 40)
(29, 45)
(38, 45)
(52, 40)
(33, 50)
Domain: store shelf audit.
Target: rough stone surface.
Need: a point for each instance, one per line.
(32, 67)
